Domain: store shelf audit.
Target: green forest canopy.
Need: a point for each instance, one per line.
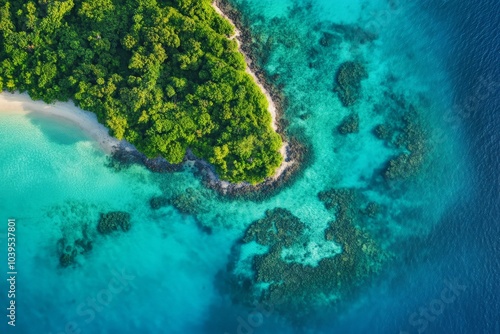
(161, 74)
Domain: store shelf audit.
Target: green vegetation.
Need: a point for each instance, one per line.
(164, 76)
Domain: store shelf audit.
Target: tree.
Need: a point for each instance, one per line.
(162, 75)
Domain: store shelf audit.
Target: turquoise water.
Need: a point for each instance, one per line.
(174, 268)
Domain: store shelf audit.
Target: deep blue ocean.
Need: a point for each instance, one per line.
(443, 227)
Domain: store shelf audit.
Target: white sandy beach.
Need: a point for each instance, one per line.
(67, 111)
(272, 106)
(237, 33)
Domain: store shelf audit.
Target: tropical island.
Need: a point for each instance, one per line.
(165, 77)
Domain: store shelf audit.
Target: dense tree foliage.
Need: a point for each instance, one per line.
(162, 74)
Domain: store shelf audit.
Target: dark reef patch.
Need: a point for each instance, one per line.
(350, 124)
(348, 82)
(329, 39)
(69, 250)
(277, 226)
(295, 288)
(361, 256)
(81, 225)
(158, 202)
(190, 202)
(112, 221)
(409, 136)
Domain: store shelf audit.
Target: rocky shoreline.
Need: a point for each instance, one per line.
(125, 155)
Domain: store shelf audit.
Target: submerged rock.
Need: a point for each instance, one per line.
(84, 245)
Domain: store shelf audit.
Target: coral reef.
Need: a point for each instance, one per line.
(361, 255)
(292, 287)
(74, 219)
(67, 259)
(410, 138)
(158, 202)
(112, 221)
(350, 124)
(348, 82)
(69, 250)
(329, 39)
(382, 132)
(372, 209)
(353, 33)
(190, 203)
(278, 226)
(78, 220)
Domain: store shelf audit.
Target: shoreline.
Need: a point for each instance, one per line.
(292, 151)
(21, 103)
(125, 153)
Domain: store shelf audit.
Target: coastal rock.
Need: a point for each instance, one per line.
(127, 155)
